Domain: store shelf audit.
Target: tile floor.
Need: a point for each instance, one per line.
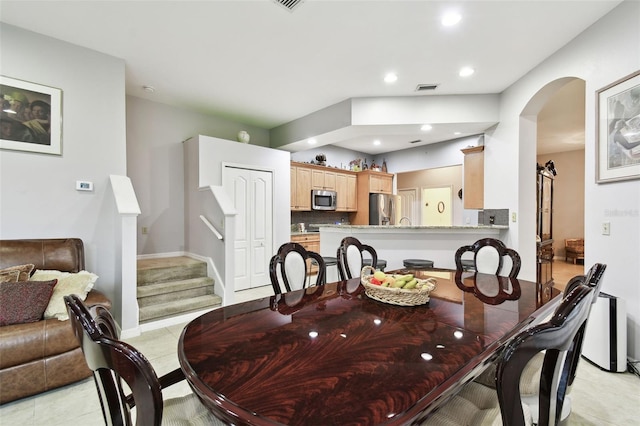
(599, 398)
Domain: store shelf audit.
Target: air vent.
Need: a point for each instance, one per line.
(423, 87)
(416, 141)
(289, 4)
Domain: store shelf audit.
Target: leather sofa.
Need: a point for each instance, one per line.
(43, 355)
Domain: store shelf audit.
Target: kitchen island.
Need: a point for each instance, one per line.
(394, 243)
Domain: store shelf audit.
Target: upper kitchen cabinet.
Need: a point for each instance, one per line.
(347, 189)
(473, 185)
(370, 182)
(321, 179)
(300, 188)
(305, 177)
(377, 182)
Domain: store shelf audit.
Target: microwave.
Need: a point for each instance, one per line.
(323, 200)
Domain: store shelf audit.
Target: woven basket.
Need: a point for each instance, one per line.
(397, 296)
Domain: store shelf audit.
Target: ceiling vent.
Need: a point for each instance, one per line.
(423, 87)
(289, 4)
(416, 141)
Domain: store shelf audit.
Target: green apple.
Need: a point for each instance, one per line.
(379, 275)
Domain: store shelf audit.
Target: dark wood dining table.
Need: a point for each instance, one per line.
(330, 355)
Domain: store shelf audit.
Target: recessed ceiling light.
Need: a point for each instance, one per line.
(377, 142)
(149, 89)
(311, 141)
(450, 19)
(457, 133)
(390, 78)
(466, 71)
(426, 127)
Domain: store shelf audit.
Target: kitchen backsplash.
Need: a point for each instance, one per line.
(319, 217)
(493, 217)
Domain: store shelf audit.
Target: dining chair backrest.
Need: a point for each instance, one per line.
(557, 338)
(112, 362)
(350, 259)
(289, 268)
(592, 279)
(491, 256)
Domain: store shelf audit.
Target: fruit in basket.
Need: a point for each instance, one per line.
(375, 281)
(379, 275)
(411, 284)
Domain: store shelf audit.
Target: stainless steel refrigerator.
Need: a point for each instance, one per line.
(384, 209)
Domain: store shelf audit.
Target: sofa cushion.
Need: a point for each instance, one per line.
(78, 283)
(24, 271)
(9, 276)
(24, 301)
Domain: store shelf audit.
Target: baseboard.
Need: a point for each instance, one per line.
(161, 255)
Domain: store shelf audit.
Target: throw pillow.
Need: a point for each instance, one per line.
(9, 276)
(23, 270)
(68, 283)
(24, 301)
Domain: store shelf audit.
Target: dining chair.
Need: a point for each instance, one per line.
(119, 368)
(490, 256)
(350, 260)
(479, 404)
(530, 379)
(289, 268)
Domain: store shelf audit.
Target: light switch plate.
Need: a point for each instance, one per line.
(606, 228)
(513, 216)
(83, 185)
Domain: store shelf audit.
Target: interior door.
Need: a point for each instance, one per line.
(252, 194)
(409, 205)
(437, 207)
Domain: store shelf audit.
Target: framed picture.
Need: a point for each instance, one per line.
(618, 130)
(31, 117)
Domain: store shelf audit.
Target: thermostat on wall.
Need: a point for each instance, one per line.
(83, 185)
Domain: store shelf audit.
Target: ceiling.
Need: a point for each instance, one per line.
(261, 64)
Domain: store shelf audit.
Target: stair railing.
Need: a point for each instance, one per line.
(211, 227)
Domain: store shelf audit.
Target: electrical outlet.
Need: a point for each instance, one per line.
(145, 230)
(606, 228)
(513, 216)
(83, 185)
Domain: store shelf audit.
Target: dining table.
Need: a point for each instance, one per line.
(331, 355)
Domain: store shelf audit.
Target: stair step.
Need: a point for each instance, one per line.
(151, 271)
(177, 307)
(174, 290)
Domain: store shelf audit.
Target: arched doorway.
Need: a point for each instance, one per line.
(555, 118)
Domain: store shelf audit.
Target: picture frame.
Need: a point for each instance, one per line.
(31, 117)
(618, 130)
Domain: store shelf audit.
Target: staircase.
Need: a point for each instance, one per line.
(172, 286)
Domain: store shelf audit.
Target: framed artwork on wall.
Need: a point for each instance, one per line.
(618, 130)
(31, 117)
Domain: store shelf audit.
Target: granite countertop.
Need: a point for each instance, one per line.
(418, 227)
(305, 232)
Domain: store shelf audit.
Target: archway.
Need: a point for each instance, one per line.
(554, 122)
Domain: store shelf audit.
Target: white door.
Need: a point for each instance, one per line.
(437, 206)
(409, 205)
(252, 195)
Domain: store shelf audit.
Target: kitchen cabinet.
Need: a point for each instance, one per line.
(473, 183)
(300, 188)
(305, 177)
(346, 187)
(310, 242)
(321, 179)
(370, 182)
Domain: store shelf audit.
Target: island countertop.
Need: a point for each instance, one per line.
(395, 228)
(395, 243)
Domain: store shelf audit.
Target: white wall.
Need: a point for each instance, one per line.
(156, 167)
(210, 153)
(38, 197)
(604, 53)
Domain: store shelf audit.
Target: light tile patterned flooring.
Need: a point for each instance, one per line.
(599, 398)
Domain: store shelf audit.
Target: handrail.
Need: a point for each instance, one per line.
(212, 228)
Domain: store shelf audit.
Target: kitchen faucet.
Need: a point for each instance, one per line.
(404, 217)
